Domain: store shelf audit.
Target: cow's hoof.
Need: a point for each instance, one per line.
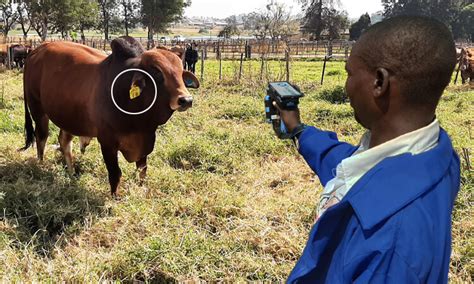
(116, 196)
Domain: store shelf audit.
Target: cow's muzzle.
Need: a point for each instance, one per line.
(185, 103)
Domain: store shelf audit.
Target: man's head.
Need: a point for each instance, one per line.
(403, 62)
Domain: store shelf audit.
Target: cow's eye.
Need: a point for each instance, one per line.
(157, 75)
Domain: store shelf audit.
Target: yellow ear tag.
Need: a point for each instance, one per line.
(134, 92)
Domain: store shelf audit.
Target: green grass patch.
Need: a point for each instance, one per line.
(224, 199)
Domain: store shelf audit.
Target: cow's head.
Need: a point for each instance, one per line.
(166, 68)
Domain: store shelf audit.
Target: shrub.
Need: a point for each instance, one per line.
(336, 95)
(334, 73)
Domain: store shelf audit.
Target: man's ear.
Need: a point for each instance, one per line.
(126, 47)
(382, 82)
(190, 81)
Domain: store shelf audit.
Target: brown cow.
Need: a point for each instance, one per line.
(466, 65)
(70, 84)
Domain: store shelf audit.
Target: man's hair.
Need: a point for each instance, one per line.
(419, 51)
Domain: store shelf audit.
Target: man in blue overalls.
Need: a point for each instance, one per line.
(385, 212)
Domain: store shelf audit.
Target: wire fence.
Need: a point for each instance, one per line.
(236, 50)
(224, 48)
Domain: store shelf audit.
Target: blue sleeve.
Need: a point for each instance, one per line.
(380, 267)
(323, 151)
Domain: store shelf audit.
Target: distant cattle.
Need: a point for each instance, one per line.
(71, 85)
(3, 53)
(17, 52)
(191, 58)
(466, 65)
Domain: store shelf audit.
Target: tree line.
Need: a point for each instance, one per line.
(67, 17)
(323, 19)
(322, 16)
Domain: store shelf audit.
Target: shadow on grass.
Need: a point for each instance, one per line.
(43, 205)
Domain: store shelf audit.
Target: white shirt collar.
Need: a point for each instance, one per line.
(415, 142)
(351, 169)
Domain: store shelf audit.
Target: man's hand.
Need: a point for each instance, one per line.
(291, 118)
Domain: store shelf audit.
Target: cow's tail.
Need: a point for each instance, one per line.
(29, 129)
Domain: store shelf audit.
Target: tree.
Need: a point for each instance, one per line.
(157, 15)
(232, 27)
(450, 12)
(57, 16)
(463, 26)
(275, 21)
(9, 16)
(23, 19)
(314, 13)
(87, 16)
(358, 27)
(40, 14)
(334, 22)
(130, 16)
(108, 12)
(65, 17)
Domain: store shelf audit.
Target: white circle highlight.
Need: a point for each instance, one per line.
(133, 70)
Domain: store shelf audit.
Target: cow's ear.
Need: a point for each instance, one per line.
(126, 47)
(137, 85)
(190, 81)
(138, 80)
(178, 50)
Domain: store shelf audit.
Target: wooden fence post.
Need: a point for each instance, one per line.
(326, 58)
(202, 65)
(459, 66)
(241, 63)
(287, 55)
(220, 63)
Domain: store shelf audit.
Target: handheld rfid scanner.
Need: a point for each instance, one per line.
(287, 97)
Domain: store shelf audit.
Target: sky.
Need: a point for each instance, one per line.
(225, 8)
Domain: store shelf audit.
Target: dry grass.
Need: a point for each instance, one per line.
(224, 201)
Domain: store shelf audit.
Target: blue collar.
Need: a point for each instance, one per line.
(396, 181)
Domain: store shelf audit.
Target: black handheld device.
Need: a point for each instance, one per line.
(287, 97)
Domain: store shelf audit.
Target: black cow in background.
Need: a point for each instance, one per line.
(19, 53)
(191, 57)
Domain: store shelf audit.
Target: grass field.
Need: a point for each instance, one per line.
(224, 199)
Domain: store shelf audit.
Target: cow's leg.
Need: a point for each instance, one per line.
(142, 167)
(84, 142)
(111, 162)
(41, 133)
(65, 142)
(42, 127)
